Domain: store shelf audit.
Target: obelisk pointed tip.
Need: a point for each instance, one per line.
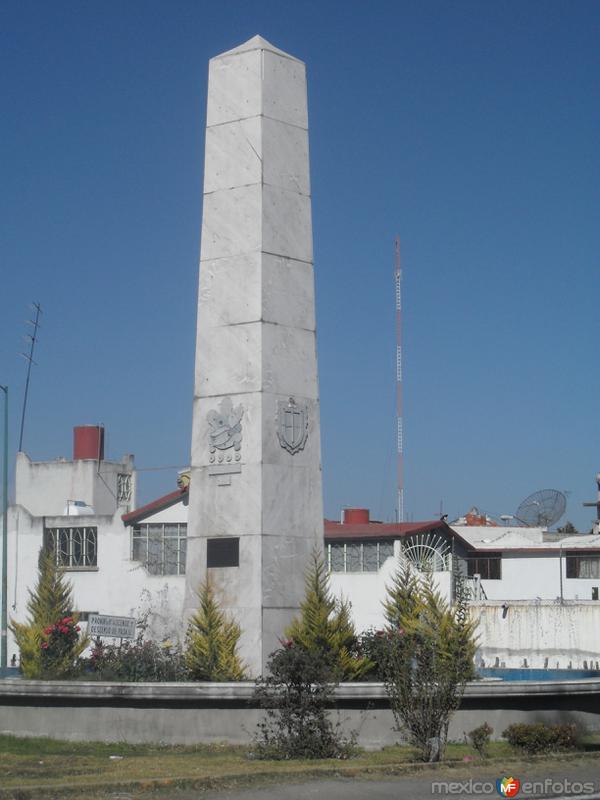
(256, 43)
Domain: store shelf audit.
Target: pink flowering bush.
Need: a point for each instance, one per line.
(61, 646)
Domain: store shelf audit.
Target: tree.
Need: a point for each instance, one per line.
(212, 639)
(403, 596)
(428, 660)
(324, 626)
(49, 603)
(568, 527)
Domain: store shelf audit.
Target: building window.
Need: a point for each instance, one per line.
(74, 548)
(161, 547)
(123, 487)
(358, 556)
(583, 565)
(223, 552)
(488, 567)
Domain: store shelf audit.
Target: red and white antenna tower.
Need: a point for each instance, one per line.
(399, 421)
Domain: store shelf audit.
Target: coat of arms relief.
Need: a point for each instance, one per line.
(225, 432)
(292, 425)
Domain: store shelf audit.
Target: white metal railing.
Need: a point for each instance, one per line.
(474, 588)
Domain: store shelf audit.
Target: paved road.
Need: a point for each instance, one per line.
(562, 781)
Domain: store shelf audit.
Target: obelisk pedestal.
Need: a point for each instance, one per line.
(256, 510)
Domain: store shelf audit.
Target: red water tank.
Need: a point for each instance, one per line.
(88, 442)
(356, 516)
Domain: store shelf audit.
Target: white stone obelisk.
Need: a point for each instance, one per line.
(256, 509)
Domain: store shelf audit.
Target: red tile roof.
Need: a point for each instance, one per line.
(381, 530)
(166, 501)
(388, 530)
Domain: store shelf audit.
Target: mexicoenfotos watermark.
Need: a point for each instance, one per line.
(509, 786)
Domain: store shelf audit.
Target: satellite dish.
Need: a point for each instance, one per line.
(542, 509)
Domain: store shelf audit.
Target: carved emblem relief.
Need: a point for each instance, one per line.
(292, 425)
(225, 432)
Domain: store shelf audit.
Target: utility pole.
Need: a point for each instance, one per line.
(29, 358)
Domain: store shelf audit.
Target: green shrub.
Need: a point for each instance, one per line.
(296, 696)
(480, 739)
(428, 658)
(324, 626)
(49, 604)
(212, 640)
(373, 645)
(137, 661)
(539, 737)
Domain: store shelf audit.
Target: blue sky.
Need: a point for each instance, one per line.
(470, 129)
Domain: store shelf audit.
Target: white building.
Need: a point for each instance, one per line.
(530, 564)
(76, 507)
(535, 594)
(128, 561)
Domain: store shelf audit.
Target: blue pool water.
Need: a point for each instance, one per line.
(508, 674)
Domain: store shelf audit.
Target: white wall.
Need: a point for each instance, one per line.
(44, 487)
(547, 634)
(368, 590)
(175, 513)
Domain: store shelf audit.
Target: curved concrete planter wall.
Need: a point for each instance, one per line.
(190, 713)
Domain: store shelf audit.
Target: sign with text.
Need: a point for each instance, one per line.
(115, 627)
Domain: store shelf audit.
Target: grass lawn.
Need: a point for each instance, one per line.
(33, 768)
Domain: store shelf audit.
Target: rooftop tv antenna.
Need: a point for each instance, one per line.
(542, 509)
(32, 337)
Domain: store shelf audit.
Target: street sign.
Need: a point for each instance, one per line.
(115, 627)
